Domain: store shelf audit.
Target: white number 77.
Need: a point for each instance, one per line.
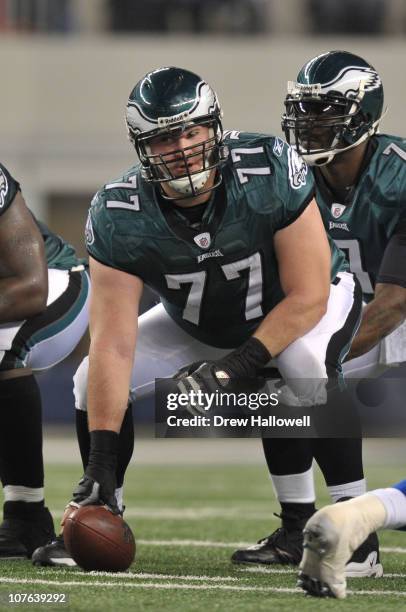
(197, 280)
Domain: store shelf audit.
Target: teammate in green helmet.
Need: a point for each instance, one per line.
(332, 115)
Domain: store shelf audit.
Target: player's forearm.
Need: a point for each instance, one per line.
(379, 318)
(108, 388)
(292, 318)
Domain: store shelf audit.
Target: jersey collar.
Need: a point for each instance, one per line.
(210, 222)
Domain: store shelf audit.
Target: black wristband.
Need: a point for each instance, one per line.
(245, 361)
(103, 452)
(104, 441)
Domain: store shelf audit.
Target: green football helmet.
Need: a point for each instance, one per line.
(169, 101)
(335, 104)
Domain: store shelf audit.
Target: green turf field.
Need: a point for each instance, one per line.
(187, 520)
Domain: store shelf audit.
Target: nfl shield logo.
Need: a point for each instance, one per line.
(337, 210)
(203, 240)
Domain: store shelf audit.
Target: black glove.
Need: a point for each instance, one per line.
(98, 484)
(187, 370)
(90, 492)
(236, 372)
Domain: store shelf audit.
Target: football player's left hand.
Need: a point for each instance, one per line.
(207, 378)
(236, 372)
(187, 370)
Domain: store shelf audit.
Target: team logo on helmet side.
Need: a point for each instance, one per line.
(350, 74)
(3, 188)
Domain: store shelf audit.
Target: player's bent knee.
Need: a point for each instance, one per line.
(302, 359)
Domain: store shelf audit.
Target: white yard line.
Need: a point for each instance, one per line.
(140, 575)
(162, 585)
(267, 570)
(146, 585)
(393, 549)
(203, 543)
(385, 575)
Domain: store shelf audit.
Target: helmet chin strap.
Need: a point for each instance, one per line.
(183, 185)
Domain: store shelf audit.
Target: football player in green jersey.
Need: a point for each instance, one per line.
(43, 314)
(224, 227)
(333, 111)
(332, 116)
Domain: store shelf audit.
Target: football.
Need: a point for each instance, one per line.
(99, 540)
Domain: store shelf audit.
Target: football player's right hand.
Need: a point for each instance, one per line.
(91, 492)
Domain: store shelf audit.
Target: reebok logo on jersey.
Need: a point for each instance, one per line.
(341, 226)
(337, 210)
(216, 253)
(278, 147)
(203, 240)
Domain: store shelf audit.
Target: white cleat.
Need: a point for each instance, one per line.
(330, 538)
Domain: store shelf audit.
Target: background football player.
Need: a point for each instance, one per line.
(43, 314)
(225, 229)
(332, 115)
(334, 532)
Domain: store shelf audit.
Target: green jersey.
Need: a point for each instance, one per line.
(59, 254)
(219, 280)
(366, 218)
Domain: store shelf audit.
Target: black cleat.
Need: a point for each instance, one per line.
(365, 561)
(53, 554)
(284, 546)
(11, 546)
(313, 586)
(20, 537)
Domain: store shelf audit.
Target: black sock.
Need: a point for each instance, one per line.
(82, 432)
(23, 510)
(288, 455)
(126, 441)
(340, 459)
(295, 515)
(126, 445)
(21, 460)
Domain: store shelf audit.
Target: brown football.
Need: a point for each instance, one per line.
(99, 540)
